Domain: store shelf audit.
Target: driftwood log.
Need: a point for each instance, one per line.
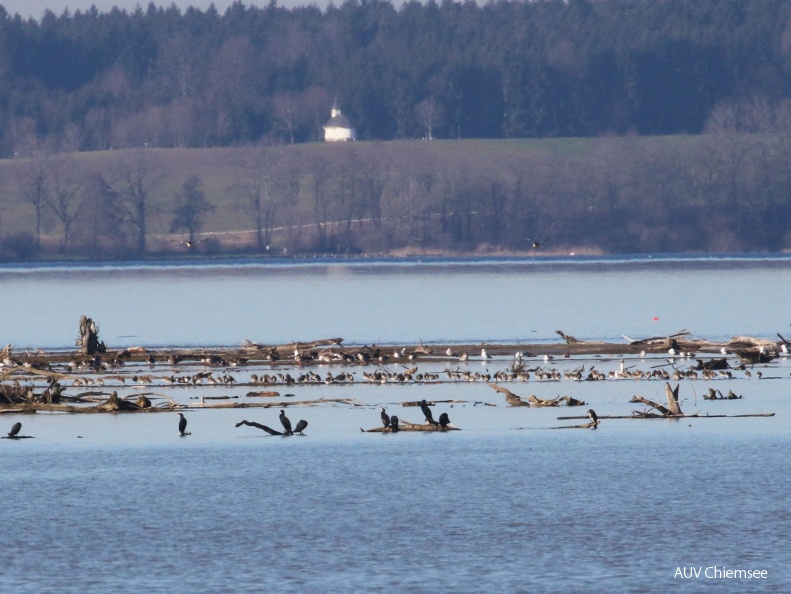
(88, 340)
(534, 401)
(407, 426)
(671, 410)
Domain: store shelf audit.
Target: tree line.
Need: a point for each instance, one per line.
(724, 191)
(160, 77)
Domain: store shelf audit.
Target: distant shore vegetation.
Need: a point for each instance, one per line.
(724, 192)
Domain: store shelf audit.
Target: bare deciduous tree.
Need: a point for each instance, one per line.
(32, 180)
(191, 206)
(319, 171)
(430, 115)
(97, 223)
(63, 195)
(138, 176)
(255, 184)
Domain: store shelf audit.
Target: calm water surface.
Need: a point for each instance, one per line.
(403, 302)
(101, 503)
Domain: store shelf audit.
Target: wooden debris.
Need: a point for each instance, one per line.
(510, 398)
(514, 400)
(407, 426)
(567, 337)
(717, 395)
(671, 410)
(88, 340)
(661, 339)
(590, 425)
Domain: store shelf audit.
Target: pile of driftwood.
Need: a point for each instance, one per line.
(671, 410)
(39, 380)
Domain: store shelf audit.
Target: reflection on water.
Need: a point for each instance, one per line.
(510, 301)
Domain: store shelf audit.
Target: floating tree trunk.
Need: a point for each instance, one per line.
(88, 340)
(671, 410)
(407, 426)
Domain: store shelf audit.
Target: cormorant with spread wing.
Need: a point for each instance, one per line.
(15, 428)
(301, 426)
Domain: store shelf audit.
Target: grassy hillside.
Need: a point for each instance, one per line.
(637, 194)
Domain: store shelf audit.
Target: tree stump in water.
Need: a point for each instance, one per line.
(88, 340)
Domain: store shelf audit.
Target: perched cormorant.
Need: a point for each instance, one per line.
(301, 426)
(592, 416)
(286, 422)
(394, 424)
(385, 418)
(183, 425)
(427, 412)
(444, 421)
(15, 429)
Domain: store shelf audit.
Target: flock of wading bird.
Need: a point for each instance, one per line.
(100, 374)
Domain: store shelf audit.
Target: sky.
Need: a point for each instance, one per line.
(35, 8)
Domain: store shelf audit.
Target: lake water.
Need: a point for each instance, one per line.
(121, 503)
(401, 302)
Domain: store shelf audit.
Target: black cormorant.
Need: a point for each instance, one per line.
(427, 412)
(592, 416)
(301, 426)
(385, 418)
(394, 424)
(183, 425)
(444, 421)
(14, 430)
(286, 422)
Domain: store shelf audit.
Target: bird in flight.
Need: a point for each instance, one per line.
(190, 243)
(535, 244)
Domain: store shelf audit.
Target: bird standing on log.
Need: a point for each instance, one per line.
(593, 417)
(427, 412)
(183, 425)
(286, 423)
(385, 418)
(444, 422)
(394, 424)
(302, 424)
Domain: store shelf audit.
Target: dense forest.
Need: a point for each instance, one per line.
(160, 77)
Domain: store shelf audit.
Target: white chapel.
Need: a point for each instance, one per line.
(338, 128)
